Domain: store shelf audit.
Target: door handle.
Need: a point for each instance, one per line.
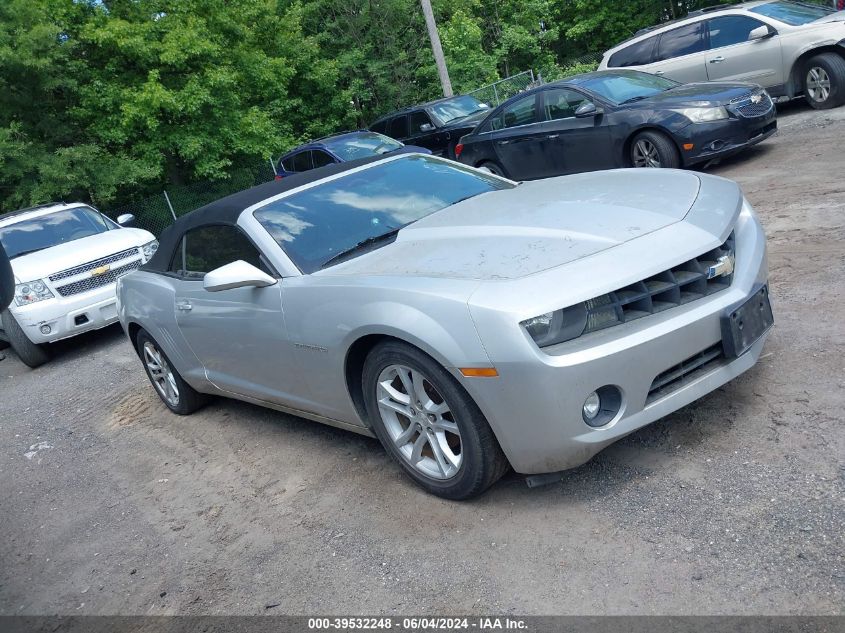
(503, 142)
(553, 135)
(184, 306)
(717, 60)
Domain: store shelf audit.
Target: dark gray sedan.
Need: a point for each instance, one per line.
(622, 118)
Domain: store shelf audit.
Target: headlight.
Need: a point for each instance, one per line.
(31, 292)
(704, 115)
(558, 326)
(149, 249)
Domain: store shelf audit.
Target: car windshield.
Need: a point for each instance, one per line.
(626, 87)
(362, 145)
(315, 225)
(67, 225)
(792, 13)
(457, 108)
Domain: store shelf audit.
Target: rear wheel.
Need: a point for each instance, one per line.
(174, 392)
(653, 149)
(31, 354)
(491, 168)
(824, 81)
(429, 424)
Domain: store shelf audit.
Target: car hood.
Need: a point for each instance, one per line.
(697, 95)
(533, 227)
(42, 264)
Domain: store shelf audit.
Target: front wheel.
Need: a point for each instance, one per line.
(32, 354)
(824, 81)
(429, 424)
(174, 392)
(653, 149)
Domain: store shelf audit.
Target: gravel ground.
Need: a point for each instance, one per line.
(735, 505)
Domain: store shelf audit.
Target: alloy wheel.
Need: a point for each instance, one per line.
(818, 84)
(419, 422)
(161, 374)
(645, 154)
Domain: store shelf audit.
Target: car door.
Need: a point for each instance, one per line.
(423, 132)
(516, 138)
(238, 335)
(397, 127)
(570, 144)
(681, 53)
(733, 57)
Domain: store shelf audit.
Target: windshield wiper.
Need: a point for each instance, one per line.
(362, 245)
(31, 250)
(632, 99)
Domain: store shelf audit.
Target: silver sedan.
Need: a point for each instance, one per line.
(469, 322)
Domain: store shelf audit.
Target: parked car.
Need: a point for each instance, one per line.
(340, 148)
(469, 322)
(437, 125)
(789, 48)
(65, 259)
(620, 118)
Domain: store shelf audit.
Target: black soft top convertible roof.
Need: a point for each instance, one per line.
(227, 210)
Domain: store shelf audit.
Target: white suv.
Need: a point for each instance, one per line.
(789, 48)
(66, 259)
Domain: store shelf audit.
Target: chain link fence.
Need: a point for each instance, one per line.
(493, 94)
(157, 212)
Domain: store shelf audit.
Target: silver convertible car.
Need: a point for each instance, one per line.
(469, 322)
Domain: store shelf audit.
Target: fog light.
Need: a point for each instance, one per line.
(592, 406)
(45, 329)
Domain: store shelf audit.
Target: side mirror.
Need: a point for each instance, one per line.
(238, 274)
(761, 33)
(587, 109)
(126, 219)
(426, 127)
(7, 280)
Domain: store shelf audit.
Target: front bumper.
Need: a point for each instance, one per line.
(67, 316)
(720, 139)
(535, 405)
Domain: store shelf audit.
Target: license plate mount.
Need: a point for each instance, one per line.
(744, 324)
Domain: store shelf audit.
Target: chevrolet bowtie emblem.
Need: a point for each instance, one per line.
(756, 98)
(102, 270)
(723, 267)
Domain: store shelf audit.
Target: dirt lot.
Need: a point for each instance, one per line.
(733, 505)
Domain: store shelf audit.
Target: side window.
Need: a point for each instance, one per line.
(379, 126)
(561, 103)
(398, 127)
(730, 29)
(637, 54)
(208, 247)
(418, 119)
(287, 164)
(302, 161)
(321, 158)
(683, 40)
(520, 112)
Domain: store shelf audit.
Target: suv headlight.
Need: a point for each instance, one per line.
(31, 292)
(149, 249)
(704, 115)
(558, 326)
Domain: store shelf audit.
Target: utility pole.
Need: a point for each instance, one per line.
(436, 48)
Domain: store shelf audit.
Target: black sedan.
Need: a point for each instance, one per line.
(621, 118)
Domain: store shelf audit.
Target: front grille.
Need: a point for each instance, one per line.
(71, 272)
(748, 109)
(673, 287)
(685, 372)
(97, 281)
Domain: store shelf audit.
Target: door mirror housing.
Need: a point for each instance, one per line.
(587, 109)
(238, 274)
(126, 219)
(426, 127)
(761, 33)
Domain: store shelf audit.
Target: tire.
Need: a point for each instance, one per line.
(464, 459)
(493, 168)
(824, 81)
(175, 393)
(32, 354)
(654, 149)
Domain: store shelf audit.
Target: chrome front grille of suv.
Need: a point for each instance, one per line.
(97, 281)
(103, 261)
